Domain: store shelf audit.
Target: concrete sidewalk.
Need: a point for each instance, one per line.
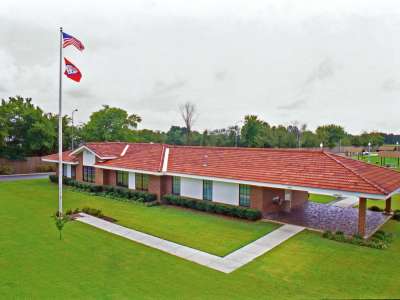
(225, 264)
(346, 202)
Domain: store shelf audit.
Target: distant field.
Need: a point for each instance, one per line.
(374, 159)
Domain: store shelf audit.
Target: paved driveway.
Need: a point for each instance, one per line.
(24, 176)
(328, 217)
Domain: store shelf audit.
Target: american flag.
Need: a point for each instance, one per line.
(70, 40)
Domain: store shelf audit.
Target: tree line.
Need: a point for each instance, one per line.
(27, 130)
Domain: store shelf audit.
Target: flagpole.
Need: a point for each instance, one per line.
(60, 143)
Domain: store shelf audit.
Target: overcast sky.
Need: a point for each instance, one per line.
(314, 62)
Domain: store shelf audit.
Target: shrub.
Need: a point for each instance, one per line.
(109, 191)
(375, 208)
(6, 170)
(213, 207)
(92, 211)
(380, 240)
(53, 178)
(396, 215)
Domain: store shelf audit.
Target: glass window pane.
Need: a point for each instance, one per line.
(176, 185)
(141, 182)
(122, 178)
(207, 190)
(244, 195)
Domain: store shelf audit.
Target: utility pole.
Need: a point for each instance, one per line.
(369, 152)
(72, 129)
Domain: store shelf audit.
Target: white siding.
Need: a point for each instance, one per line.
(192, 188)
(88, 158)
(131, 181)
(227, 193)
(68, 171)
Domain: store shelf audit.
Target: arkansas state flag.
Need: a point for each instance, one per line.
(71, 71)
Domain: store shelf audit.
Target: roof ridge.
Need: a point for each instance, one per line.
(331, 156)
(162, 157)
(305, 150)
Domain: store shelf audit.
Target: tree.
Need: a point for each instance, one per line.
(188, 114)
(309, 139)
(176, 135)
(375, 138)
(60, 220)
(254, 132)
(330, 135)
(26, 130)
(110, 124)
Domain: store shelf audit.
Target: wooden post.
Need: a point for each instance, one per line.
(362, 213)
(388, 207)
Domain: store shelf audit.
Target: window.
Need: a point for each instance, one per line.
(65, 170)
(176, 185)
(73, 172)
(244, 195)
(88, 174)
(122, 178)
(207, 190)
(141, 182)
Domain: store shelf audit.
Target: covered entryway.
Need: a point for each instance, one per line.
(329, 217)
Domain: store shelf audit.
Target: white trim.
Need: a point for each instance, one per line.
(128, 170)
(56, 161)
(165, 161)
(283, 186)
(393, 193)
(91, 151)
(124, 151)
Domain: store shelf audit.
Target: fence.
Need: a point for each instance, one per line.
(28, 165)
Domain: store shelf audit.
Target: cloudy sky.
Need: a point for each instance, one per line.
(313, 62)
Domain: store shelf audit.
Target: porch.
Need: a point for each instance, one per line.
(329, 217)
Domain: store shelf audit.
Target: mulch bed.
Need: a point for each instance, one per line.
(105, 218)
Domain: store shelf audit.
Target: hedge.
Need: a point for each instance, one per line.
(213, 207)
(107, 190)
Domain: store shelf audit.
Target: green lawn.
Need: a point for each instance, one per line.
(381, 204)
(321, 198)
(92, 264)
(210, 233)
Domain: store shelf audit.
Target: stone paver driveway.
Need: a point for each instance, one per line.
(329, 217)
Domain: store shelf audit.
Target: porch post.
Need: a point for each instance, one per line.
(362, 212)
(388, 207)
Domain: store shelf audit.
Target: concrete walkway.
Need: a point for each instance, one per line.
(225, 264)
(346, 202)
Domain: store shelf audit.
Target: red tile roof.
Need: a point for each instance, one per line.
(139, 156)
(65, 157)
(289, 167)
(109, 149)
(305, 168)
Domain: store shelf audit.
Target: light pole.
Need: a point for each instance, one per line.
(237, 132)
(369, 152)
(72, 129)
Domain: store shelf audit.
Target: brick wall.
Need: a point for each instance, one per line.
(261, 199)
(99, 179)
(110, 177)
(79, 168)
(155, 185)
